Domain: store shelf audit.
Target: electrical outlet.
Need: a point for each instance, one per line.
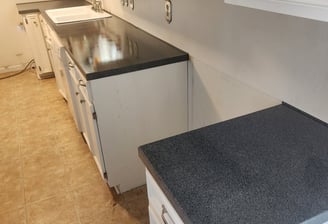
(131, 4)
(168, 11)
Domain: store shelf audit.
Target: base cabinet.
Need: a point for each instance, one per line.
(161, 210)
(134, 109)
(117, 114)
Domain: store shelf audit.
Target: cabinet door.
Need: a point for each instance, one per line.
(80, 102)
(141, 106)
(93, 136)
(75, 98)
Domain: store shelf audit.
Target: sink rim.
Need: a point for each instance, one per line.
(77, 13)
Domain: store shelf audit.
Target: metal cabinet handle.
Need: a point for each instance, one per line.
(70, 64)
(166, 216)
(82, 83)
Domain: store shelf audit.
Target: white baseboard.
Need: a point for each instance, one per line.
(11, 68)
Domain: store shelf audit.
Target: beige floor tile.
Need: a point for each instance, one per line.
(64, 123)
(9, 149)
(74, 154)
(8, 105)
(13, 217)
(47, 162)
(64, 138)
(8, 132)
(30, 116)
(92, 199)
(103, 217)
(11, 195)
(82, 173)
(7, 88)
(33, 129)
(56, 210)
(35, 145)
(45, 185)
(10, 170)
(62, 119)
(8, 117)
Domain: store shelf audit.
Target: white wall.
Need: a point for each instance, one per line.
(281, 55)
(26, 1)
(13, 43)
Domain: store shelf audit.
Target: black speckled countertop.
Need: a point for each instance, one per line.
(110, 46)
(267, 167)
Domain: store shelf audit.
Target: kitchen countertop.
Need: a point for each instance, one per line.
(266, 167)
(110, 46)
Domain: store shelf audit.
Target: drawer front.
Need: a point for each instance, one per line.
(160, 209)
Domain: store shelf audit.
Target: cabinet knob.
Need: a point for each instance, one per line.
(82, 83)
(82, 101)
(76, 93)
(70, 64)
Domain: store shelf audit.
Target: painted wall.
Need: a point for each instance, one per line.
(26, 1)
(282, 56)
(13, 43)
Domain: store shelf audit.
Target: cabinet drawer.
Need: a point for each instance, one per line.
(160, 209)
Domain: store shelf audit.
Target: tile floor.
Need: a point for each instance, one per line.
(47, 174)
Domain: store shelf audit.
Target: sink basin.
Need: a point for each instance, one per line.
(75, 14)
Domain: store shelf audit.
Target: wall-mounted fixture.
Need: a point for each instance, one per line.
(168, 11)
(131, 4)
(125, 2)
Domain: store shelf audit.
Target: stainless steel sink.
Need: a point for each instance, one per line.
(75, 14)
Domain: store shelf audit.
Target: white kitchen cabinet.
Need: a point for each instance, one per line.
(160, 209)
(136, 108)
(38, 45)
(116, 114)
(311, 9)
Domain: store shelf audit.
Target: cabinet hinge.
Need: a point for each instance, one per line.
(105, 175)
(94, 115)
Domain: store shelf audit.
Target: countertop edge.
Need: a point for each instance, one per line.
(136, 67)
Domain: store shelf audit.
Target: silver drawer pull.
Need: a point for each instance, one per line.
(70, 64)
(82, 83)
(166, 216)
